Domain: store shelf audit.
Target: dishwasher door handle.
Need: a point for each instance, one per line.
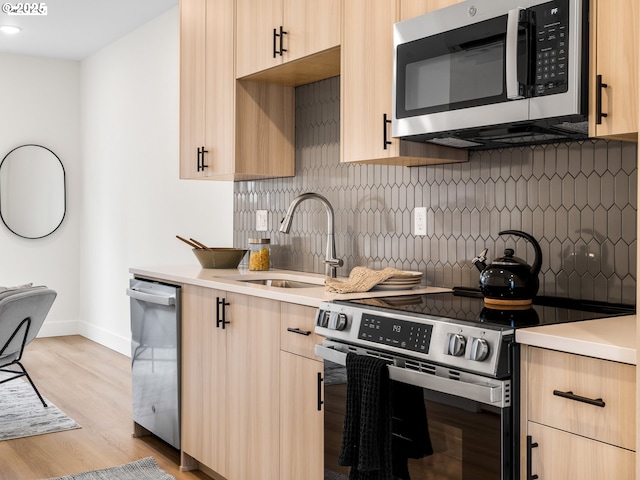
(151, 298)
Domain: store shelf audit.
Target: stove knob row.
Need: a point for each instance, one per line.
(478, 348)
(332, 320)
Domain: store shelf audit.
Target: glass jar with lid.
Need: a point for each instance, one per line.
(259, 254)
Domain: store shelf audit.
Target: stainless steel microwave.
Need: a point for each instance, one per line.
(492, 73)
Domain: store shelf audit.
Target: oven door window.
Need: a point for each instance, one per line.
(471, 441)
(456, 69)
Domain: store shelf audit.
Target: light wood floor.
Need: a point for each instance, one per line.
(91, 384)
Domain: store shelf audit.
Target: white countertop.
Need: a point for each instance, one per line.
(611, 338)
(310, 296)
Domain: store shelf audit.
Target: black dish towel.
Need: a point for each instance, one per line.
(366, 441)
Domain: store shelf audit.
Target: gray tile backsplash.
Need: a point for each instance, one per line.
(577, 199)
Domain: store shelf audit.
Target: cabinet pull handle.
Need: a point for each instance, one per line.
(279, 36)
(598, 402)
(282, 34)
(275, 37)
(221, 319)
(201, 164)
(320, 402)
(306, 333)
(530, 446)
(599, 87)
(385, 122)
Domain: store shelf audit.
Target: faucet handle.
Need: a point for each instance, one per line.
(334, 262)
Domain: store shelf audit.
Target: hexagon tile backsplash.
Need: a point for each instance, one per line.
(578, 200)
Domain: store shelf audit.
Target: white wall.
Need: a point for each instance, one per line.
(133, 203)
(40, 104)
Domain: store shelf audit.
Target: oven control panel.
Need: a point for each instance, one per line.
(395, 332)
(448, 342)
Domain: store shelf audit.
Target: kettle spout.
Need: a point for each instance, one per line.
(481, 260)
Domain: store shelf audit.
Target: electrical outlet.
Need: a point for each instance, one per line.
(420, 221)
(261, 220)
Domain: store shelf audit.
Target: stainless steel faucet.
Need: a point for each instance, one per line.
(331, 262)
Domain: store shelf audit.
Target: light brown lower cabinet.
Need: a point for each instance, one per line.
(563, 455)
(301, 396)
(301, 418)
(251, 388)
(578, 417)
(230, 384)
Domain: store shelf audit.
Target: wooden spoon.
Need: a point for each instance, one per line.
(191, 244)
(201, 245)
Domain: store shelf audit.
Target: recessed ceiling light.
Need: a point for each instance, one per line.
(9, 29)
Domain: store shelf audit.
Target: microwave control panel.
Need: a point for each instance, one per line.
(551, 37)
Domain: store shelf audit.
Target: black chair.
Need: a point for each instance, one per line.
(22, 313)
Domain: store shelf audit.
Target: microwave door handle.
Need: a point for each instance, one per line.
(511, 64)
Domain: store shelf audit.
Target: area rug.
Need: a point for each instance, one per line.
(144, 469)
(22, 413)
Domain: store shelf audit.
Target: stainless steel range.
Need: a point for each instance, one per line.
(464, 357)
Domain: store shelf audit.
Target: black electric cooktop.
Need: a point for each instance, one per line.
(465, 304)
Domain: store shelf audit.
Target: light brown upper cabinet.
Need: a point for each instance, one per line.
(366, 86)
(303, 34)
(229, 130)
(613, 82)
(207, 88)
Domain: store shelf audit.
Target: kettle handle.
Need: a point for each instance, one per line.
(537, 261)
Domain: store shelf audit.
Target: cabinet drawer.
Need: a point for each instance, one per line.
(554, 374)
(562, 455)
(296, 330)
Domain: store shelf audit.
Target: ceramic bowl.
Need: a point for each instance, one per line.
(219, 257)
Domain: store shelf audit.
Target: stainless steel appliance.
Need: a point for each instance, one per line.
(492, 73)
(464, 357)
(155, 357)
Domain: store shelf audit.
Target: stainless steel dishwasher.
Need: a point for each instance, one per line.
(155, 357)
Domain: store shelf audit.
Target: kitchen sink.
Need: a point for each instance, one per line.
(280, 283)
(278, 280)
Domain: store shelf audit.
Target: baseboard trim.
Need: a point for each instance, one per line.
(99, 335)
(106, 338)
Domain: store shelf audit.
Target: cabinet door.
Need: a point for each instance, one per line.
(301, 418)
(561, 455)
(207, 88)
(614, 39)
(366, 79)
(255, 22)
(192, 85)
(366, 82)
(414, 8)
(204, 379)
(311, 26)
(253, 352)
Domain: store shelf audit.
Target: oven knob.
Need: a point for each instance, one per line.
(479, 349)
(457, 344)
(337, 321)
(323, 319)
(341, 324)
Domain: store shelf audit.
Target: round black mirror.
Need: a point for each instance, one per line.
(32, 191)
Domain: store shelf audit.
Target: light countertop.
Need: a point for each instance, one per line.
(228, 280)
(612, 338)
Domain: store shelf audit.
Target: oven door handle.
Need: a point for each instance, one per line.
(489, 394)
(511, 56)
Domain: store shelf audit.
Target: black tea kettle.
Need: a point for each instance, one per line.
(508, 280)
